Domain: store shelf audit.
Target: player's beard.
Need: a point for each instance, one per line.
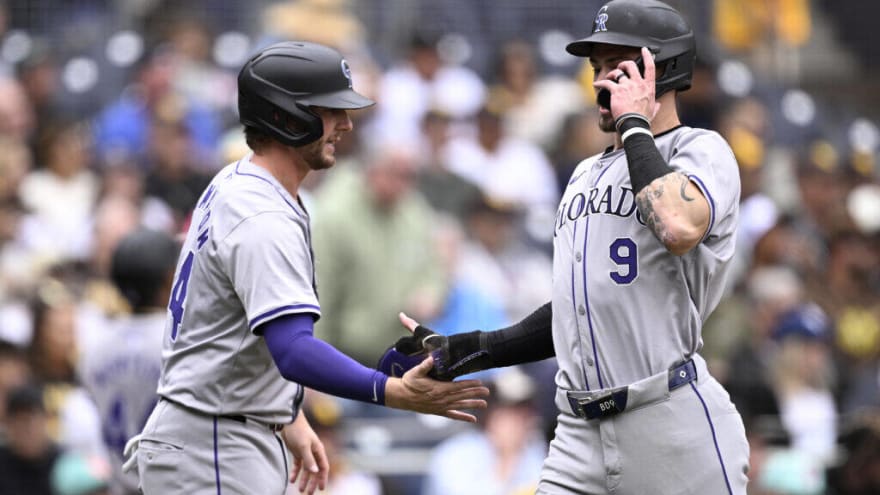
(315, 155)
(606, 123)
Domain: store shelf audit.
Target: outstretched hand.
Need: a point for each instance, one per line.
(416, 391)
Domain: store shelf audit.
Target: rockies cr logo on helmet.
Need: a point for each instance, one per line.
(346, 71)
(601, 19)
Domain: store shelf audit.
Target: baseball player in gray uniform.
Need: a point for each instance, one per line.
(120, 364)
(239, 342)
(643, 240)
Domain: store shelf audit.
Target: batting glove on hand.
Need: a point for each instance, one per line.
(454, 356)
(409, 351)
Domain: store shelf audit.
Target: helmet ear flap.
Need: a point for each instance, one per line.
(274, 120)
(677, 73)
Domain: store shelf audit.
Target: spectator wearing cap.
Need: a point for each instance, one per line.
(803, 377)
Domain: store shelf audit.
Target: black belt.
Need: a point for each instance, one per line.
(244, 419)
(615, 402)
(234, 417)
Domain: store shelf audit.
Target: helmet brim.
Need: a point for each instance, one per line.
(584, 47)
(346, 99)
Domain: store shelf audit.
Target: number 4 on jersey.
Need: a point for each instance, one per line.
(178, 295)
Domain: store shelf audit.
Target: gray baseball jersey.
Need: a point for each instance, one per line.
(247, 259)
(119, 365)
(625, 310)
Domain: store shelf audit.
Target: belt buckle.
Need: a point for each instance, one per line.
(576, 401)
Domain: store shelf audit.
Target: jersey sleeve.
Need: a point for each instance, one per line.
(269, 262)
(709, 163)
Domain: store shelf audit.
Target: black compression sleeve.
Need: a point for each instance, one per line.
(644, 161)
(529, 340)
(642, 156)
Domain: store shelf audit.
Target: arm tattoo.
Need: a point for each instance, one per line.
(645, 201)
(684, 183)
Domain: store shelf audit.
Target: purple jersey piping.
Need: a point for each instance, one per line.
(216, 458)
(283, 456)
(708, 195)
(261, 318)
(714, 438)
(586, 292)
(302, 215)
(247, 174)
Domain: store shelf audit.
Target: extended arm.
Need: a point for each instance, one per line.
(302, 358)
(528, 340)
(309, 361)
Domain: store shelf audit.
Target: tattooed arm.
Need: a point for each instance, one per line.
(675, 210)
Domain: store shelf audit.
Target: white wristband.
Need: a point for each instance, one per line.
(635, 130)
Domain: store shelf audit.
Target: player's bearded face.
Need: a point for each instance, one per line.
(321, 154)
(606, 123)
(604, 59)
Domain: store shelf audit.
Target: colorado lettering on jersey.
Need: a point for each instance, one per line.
(608, 200)
(205, 204)
(178, 291)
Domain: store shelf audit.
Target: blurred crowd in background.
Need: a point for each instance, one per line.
(114, 115)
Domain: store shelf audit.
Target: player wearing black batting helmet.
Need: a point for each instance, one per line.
(644, 237)
(119, 362)
(141, 264)
(238, 345)
(648, 23)
(277, 86)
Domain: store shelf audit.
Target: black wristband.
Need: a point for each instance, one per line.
(629, 120)
(644, 161)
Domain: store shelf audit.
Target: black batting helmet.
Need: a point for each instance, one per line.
(141, 264)
(649, 23)
(282, 81)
